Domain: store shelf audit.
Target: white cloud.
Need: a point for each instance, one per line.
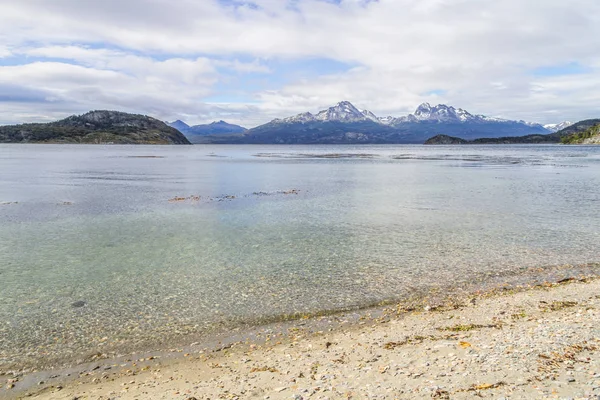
(168, 57)
(4, 52)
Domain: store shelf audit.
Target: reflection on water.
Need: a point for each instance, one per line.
(94, 256)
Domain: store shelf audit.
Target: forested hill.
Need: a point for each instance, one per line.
(99, 127)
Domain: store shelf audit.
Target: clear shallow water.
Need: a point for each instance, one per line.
(368, 224)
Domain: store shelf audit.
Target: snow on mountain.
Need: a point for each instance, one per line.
(440, 113)
(385, 120)
(485, 118)
(464, 115)
(557, 127)
(344, 111)
(532, 124)
(370, 115)
(301, 118)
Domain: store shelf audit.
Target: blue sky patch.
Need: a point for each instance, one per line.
(573, 68)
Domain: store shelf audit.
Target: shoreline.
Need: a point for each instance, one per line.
(251, 329)
(262, 338)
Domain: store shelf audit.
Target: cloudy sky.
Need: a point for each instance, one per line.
(248, 62)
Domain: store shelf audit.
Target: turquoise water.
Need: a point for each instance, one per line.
(274, 231)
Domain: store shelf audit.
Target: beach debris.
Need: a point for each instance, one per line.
(469, 327)
(177, 199)
(416, 339)
(464, 345)
(10, 383)
(6, 203)
(440, 394)
(556, 305)
(486, 386)
(550, 363)
(393, 345)
(227, 346)
(263, 369)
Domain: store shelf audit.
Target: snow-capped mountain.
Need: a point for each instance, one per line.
(370, 115)
(301, 118)
(440, 113)
(344, 123)
(386, 120)
(344, 111)
(557, 127)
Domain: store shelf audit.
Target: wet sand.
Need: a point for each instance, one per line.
(538, 343)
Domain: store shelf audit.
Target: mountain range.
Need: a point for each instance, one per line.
(214, 128)
(344, 123)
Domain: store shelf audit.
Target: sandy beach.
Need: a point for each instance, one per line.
(538, 343)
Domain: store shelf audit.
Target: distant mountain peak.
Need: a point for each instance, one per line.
(214, 128)
(370, 115)
(557, 127)
(344, 111)
(179, 125)
(300, 118)
(438, 113)
(344, 103)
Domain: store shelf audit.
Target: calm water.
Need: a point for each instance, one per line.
(94, 224)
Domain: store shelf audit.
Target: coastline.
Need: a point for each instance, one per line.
(400, 339)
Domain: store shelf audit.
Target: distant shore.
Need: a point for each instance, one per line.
(537, 342)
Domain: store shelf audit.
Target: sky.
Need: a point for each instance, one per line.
(248, 62)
